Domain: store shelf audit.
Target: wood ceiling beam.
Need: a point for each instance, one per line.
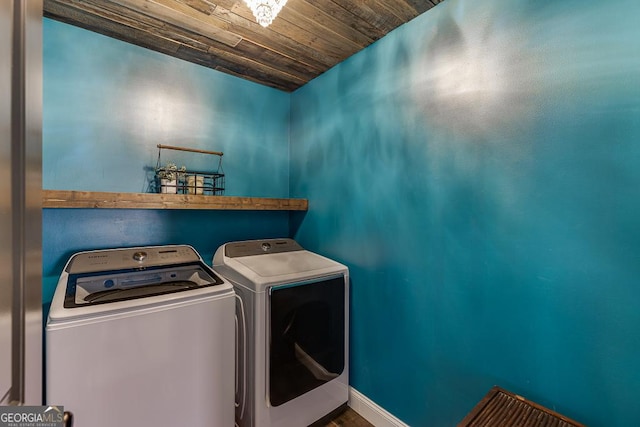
(373, 12)
(305, 40)
(169, 39)
(183, 16)
(421, 6)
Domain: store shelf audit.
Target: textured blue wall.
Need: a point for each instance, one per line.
(107, 104)
(477, 169)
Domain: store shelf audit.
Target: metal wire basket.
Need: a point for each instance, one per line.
(170, 179)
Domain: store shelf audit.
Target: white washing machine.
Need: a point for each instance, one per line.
(142, 337)
(292, 341)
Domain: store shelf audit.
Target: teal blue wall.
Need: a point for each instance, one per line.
(478, 171)
(107, 104)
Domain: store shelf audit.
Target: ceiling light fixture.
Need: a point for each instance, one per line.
(265, 11)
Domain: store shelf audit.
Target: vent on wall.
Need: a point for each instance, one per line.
(500, 408)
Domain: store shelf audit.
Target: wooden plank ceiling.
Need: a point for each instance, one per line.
(307, 38)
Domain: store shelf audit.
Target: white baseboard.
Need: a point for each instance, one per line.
(372, 412)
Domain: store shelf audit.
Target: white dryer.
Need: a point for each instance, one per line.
(142, 337)
(292, 341)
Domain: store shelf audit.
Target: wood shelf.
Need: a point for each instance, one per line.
(106, 200)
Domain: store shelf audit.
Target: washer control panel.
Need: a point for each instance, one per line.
(140, 256)
(119, 259)
(261, 247)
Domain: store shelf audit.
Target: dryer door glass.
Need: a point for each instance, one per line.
(307, 337)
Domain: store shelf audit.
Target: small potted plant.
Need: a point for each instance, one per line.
(168, 176)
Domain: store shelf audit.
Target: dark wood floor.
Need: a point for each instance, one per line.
(349, 418)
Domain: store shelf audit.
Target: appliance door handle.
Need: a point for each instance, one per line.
(242, 321)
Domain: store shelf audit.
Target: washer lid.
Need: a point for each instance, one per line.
(278, 264)
(108, 287)
(117, 281)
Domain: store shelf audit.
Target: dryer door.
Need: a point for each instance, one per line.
(307, 337)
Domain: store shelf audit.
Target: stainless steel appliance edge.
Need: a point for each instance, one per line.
(22, 160)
